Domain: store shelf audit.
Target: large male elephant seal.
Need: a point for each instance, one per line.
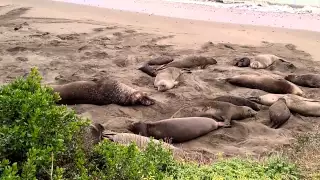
(101, 92)
(303, 106)
(176, 129)
(190, 62)
(266, 83)
(239, 101)
(307, 80)
(260, 61)
(167, 78)
(279, 113)
(224, 111)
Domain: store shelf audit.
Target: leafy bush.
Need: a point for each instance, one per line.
(40, 140)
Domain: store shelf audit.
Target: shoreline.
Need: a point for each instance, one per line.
(310, 22)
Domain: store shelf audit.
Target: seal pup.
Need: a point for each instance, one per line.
(141, 141)
(279, 113)
(303, 106)
(239, 101)
(101, 92)
(190, 62)
(260, 61)
(177, 130)
(306, 80)
(266, 83)
(146, 68)
(160, 60)
(225, 111)
(168, 78)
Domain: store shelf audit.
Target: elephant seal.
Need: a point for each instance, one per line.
(242, 62)
(190, 62)
(266, 83)
(146, 68)
(101, 92)
(177, 130)
(225, 111)
(279, 113)
(141, 141)
(168, 78)
(239, 101)
(92, 135)
(303, 106)
(260, 61)
(307, 80)
(160, 60)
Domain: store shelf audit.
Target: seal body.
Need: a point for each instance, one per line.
(279, 113)
(148, 70)
(260, 61)
(168, 78)
(239, 101)
(242, 62)
(263, 61)
(92, 135)
(225, 111)
(191, 62)
(177, 130)
(303, 106)
(101, 92)
(307, 80)
(266, 83)
(141, 141)
(160, 60)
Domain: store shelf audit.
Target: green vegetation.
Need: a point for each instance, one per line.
(40, 140)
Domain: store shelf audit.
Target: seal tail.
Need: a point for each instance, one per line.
(161, 67)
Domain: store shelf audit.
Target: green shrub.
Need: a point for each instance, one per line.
(40, 140)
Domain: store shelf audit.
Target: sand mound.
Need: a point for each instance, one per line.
(95, 50)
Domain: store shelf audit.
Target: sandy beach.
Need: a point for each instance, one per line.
(70, 42)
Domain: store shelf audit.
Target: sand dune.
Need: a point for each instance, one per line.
(67, 47)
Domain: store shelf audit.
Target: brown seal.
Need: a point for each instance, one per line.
(265, 83)
(146, 68)
(224, 111)
(307, 80)
(298, 104)
(168, 78)
(260, 61)
(239, 101)
(101, 92)
(190, 62)
(177, 130)
(279, 113)
(160, 60)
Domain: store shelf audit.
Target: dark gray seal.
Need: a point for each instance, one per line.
(177, 130)
(146, 68)
(191, 62)
(306, 80)
(160, 60)
(239, 101)
(279, 113)
(101, 92)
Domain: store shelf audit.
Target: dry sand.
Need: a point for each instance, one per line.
(71, 42)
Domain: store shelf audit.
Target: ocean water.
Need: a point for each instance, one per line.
(289, 6)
